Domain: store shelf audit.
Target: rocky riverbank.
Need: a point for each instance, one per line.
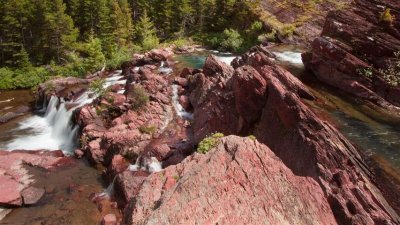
(289, 167)
(356, 47)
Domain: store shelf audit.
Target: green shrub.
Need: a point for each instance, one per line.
(118, 57)
(392, 73)
(149, 43)
(209, 142)
(386, 16)
(148, 130)
(97, 87)
(367, 72)
(232, 40)
(139, 97)
(22, 78)
(252, 137)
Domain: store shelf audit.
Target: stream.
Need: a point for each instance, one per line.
(68, 190)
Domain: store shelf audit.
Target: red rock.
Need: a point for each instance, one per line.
(32, 195)
(250, 93)
(186, 72)
(78, 153)
(14, 178)
(309, 146)
(127, 185)
(354, 39)
(159, 55)
(185, 102)
(10, 191)
(109, 219)
(181, 81)
(118, 165)
(238, 182)
(214, 67)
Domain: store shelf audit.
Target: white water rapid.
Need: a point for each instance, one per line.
(54, 130)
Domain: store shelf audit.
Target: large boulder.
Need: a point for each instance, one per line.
(240, 181)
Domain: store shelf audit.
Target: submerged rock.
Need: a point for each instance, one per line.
(32, 195)
(240, 181)
(15, 179)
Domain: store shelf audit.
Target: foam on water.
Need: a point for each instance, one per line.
(180, 111)
(55, 130)
(289, 56)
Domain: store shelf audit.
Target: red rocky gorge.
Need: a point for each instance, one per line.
(355, 44)
(302, 170)
(274, 110)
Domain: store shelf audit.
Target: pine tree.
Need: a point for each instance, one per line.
(145, 33)
(14, 18)
(60, 33)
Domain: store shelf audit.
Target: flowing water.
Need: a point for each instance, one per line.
(68, 190)
(53, 130)
(373, 137)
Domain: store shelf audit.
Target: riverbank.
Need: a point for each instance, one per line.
(146, 148)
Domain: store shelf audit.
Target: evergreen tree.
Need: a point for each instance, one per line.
(145, 33)
(60, 33)
(14, 18)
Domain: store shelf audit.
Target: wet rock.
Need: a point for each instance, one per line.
(181, 81)
(118, 165)
(239, 181)
(32, 195)
(10, 191)
(12, 115)
(127, 185)
(185, 102)
(78, 153)
(15, 179)
(109, 219)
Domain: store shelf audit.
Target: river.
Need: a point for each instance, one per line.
(68, 190)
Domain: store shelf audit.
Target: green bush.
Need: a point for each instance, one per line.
(392, 73)
(147, 130)
(118, 57)
(209, 142)
(232, 40)
(149, 43)
(139, 97)
(97, 87)
(386, 16)
(22, 78)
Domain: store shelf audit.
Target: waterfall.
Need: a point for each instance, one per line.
(55, 130)
(289, 56)
(180, 111)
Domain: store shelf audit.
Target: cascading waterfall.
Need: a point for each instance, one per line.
(55, 130)
(180, 111)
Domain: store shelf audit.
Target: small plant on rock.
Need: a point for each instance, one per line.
(139, 98)
(392, 73)
(386, 16)
(209, 142)
(367, 72)
(147, 130)
(97, 87)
